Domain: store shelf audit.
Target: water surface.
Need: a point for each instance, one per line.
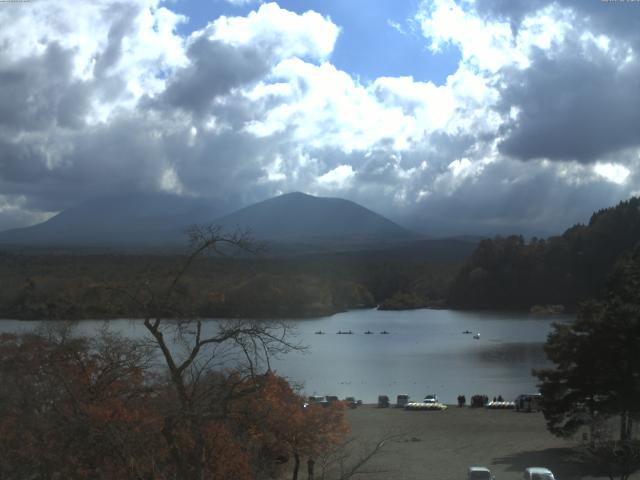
(424, 352)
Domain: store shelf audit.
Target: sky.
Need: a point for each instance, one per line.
(448, 116)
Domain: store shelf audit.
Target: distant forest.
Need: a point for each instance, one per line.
(62, 286)
(511, 273)
(502, 273)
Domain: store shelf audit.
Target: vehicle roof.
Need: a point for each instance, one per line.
(538, 470)
(479, 469)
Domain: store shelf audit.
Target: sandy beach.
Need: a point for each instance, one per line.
(442, 445)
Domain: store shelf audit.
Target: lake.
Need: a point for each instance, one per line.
(424, 352)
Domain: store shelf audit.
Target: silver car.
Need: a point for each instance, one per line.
(479, 473)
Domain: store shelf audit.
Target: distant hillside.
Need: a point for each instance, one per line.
(294, 223)
(131, 220)
(507, 272)
(300, 218)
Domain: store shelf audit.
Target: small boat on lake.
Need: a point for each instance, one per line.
(319, 332)
(347, 332)
(368, 332)
(467, 331)
(384, 332)
(477, 336)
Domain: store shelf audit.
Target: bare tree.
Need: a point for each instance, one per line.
(192, 350)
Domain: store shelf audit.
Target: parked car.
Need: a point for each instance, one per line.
(529, 402)
(431, 398)
(316, 400)
(402, 400)
(352, 402)
(331, 398)
(479, 473)
(383, 401)
(538, 473)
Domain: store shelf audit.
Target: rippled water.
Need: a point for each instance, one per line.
(424, 352)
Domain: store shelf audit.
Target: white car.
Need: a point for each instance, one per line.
(538, 473)
(430, 399)
(479, 473)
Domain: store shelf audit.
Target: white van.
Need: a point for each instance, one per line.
(479, 473)
(538, 473)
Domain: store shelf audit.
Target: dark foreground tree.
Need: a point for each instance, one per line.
(611, 458)
(191, 350)
(77, 408)
(597, 372)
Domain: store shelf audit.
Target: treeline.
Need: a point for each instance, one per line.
(509, 272)
(67, 286)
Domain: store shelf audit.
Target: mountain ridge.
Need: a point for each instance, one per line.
(161, 220)
(299, 216)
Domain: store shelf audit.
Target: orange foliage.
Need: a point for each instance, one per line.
(68, 410)
(277, 419)
(74, 408)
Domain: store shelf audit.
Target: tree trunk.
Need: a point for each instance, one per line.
(296, 465)
(624, 426)
(310, 465)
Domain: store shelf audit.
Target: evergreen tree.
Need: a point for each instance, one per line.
(597, 373)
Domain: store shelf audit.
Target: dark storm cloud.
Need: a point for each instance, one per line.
(220, 162)
(575, 104)
(215, 69)
(618, 19)
(21, 163)
(123, 156)
(576, 101)
(122, 17)
(39, 92)
(509, 197)
(51, 157)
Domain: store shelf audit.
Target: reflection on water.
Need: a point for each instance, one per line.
(424, 352)
(521, 353)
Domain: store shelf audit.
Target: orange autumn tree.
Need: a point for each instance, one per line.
(81, 408)
(281, 426)
(76, 408)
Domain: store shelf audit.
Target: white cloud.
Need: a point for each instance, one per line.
(612, 172)
(289, 34)
(338, 178)
(397, 27)
(241, 3)
(486, 44)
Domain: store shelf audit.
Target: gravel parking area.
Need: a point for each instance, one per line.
(441, 445)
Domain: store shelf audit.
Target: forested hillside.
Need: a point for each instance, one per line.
(50, 286)
(507, 272)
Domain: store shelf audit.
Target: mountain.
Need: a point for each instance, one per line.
(130, 220)
(292, 223)
(299, 219)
